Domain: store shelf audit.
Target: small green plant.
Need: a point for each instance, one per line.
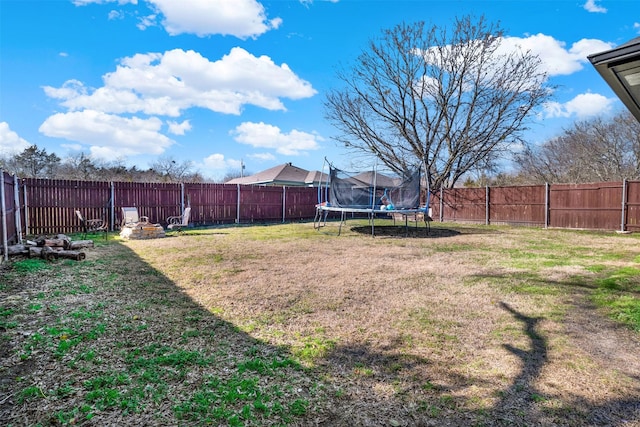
(30, 265)
(313, 348)
(29, 393)
(298, 407)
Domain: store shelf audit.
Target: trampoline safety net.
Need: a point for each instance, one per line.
(372, 190)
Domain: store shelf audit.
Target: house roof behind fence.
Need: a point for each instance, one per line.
(285, 174)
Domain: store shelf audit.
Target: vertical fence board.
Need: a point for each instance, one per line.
(593, 206)
(522, 205)
(51, 204)
(632, 222)
(157, 201)
(212, 203)
(260, 203)
(300, 203)
(462, 204)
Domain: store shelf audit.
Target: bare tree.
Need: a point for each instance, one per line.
(78, 166)
(588, 151)
(172, 170)
(451, 100)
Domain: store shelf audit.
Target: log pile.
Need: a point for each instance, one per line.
(60, 246)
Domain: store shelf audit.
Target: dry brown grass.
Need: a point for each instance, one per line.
(470, 325)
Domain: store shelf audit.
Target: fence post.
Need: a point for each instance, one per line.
(441, 203)
(624, 204)
(16, 196)
(182, 197)
(547, 189)
(3, 208)
(112, 208)
(486, 208)
(26, 210)
(238, 207)
(284, 202)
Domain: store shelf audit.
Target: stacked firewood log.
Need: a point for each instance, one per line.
(50, 248)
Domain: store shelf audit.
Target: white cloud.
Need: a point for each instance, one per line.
(10, 142)
(239, 18)
(592, 6)
(146, 22)
(109, 136)
(262, 157)
(636, 26)
(72, 147)
(165, 84)
(215, 161)
(261, 135)
(115, 14)
(556, 58)
(179, 128)
(216, 165)
(582, 106)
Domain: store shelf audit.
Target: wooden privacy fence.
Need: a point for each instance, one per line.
(595, 206)
(46, 206)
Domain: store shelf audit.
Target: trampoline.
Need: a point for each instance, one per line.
(373, 194)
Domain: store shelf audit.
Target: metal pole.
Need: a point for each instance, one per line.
(3, 208)
(284, 203)
(441, 202)
(624, 204)
(486, 207)
(16, 195)
(112, 208)
(181, 197)
(26, 210)
(238, 207)
(546, 205)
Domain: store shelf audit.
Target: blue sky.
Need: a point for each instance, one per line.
(219, 81)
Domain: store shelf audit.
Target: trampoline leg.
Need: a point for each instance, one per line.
(342, 219)
(316, 219)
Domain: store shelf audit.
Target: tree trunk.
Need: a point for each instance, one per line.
(60, 241)
(18, 250)
(46, 252)
(79, 244)
(43, 252)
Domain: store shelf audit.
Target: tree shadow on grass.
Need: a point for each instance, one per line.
(519, 403)
(427, 393)
(608, 343)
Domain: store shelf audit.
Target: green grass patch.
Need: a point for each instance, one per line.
(622, 308)
(311, 348)
(622, 279)
(31, 265)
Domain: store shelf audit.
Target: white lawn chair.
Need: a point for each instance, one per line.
(130, 216)
(179, 222)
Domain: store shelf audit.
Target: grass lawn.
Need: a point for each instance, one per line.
(287, 325)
